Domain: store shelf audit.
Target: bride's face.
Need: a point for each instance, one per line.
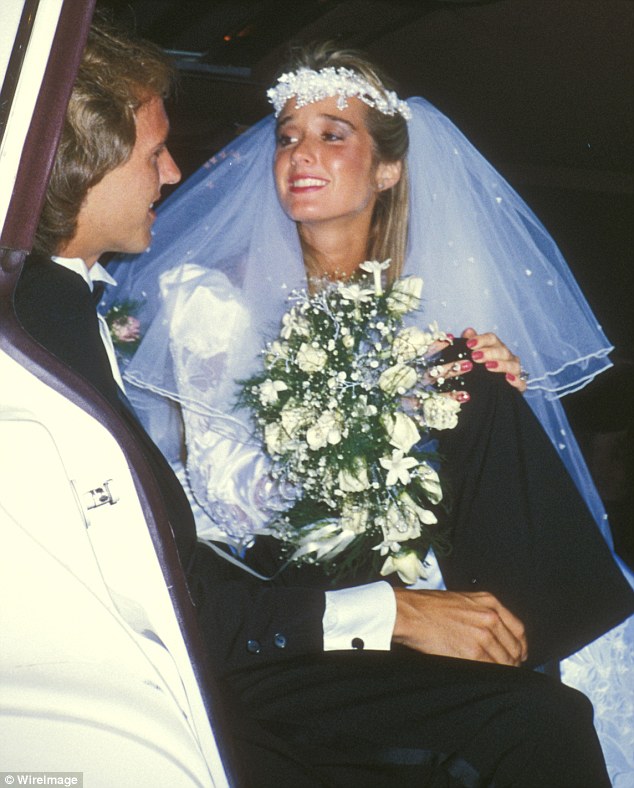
(325, 168)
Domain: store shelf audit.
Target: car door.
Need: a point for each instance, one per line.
(103, 675)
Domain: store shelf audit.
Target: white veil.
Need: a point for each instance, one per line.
(485, 258)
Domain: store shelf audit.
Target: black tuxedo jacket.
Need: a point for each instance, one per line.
(518, 527)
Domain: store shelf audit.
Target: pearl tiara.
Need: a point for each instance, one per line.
(309, 86)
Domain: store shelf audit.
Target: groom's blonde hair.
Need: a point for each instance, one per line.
(116, 76)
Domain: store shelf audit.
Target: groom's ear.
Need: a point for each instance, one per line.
(388, 174)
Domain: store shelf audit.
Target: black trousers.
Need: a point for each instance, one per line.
(382, 720)
(372, 719)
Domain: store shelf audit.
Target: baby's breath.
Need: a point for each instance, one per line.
(344, 407)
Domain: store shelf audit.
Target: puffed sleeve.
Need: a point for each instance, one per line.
(213, 346)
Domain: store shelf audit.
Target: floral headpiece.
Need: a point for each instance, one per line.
(309, 86)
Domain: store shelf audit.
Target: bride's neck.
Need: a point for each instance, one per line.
(333, 253)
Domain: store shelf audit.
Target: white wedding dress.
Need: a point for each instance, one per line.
(213, 288)
(226, 477)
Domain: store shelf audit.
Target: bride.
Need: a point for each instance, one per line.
(345, 172)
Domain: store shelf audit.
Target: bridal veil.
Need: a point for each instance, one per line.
(485, 258)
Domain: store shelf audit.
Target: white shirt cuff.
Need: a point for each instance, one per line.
(361, 617)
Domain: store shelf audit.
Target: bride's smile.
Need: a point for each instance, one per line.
(300, 184)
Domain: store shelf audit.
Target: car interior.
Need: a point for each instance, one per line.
(217, 100)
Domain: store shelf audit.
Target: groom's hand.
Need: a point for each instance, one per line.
(469, 625)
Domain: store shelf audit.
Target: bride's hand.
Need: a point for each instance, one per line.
(485, 349)
(439, 374)
(488, 349)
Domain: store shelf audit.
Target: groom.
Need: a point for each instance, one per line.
(336, 702)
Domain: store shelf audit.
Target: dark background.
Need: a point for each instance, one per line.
(544, 88)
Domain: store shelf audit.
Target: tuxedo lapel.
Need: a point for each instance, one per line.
(55, 306)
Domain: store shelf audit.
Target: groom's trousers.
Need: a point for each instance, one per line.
(520, 530)
(385, 720)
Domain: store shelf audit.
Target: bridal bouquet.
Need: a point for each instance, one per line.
(344, 407)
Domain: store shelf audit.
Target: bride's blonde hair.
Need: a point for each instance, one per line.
(388, 230)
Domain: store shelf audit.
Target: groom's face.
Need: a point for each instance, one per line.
(117, 214)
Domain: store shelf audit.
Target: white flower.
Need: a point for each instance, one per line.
(374, 267)
(402, 521)
(293, 417)
(411, 343)
(269, 389)
(354, 518)
(292, 323)
(436, 333)
(399, 524)
(385, 548)
(440, 413)
(408, 565)
(401, 430)
(355, 293)
(405, 295)
(277, 351)
(362, 408)
(397, 467)
(430, 482)
(327, 429)
(410, 510)
(311, 359)
(276, 438)
(398, 378)
(356, 479)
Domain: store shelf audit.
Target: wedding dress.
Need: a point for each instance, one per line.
(214, 285)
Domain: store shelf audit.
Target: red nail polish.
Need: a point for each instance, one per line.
(477, 354)
(466, 366)
(450, 337)
(472, 342)
(463, 396)
(491, 364)
(510, 377)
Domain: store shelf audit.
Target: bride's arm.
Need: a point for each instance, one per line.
(230, 481)
(212, 345)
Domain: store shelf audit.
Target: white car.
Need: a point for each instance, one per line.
(102, 676)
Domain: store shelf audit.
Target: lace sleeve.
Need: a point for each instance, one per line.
(212, 346)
